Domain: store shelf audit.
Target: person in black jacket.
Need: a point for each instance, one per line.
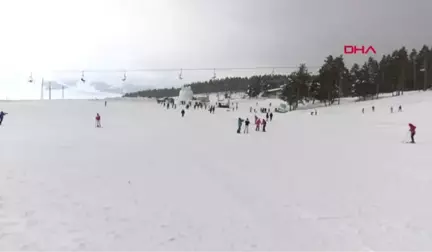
(246, 129)
(2, 114)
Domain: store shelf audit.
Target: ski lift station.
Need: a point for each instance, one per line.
(185, 94)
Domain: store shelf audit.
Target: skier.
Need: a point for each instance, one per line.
(316, 112)
(400, 108)
(413, 131)
(183, 112)
(105, 103)
(98, 123)
(391, 109)
(258, 124)
(267, 116)
(250, 110)
(240, 123)
(363, 110)
(247, 122)
(264, 123)
(373, 108)
(2, 114)
(271, 116)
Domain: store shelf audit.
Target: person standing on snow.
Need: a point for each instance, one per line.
(413, 131)
(271, 116)
(264, 123)
(267, 116)
(246, 130)
(258, 124)
(2, 114)
(183, 112)
(240, 123)
(98, 123)
(105, 103)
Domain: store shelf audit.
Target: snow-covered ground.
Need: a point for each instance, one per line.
(151, 180)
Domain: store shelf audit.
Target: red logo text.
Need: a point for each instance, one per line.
(353, 49)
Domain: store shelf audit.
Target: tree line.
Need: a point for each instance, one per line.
(394, 73)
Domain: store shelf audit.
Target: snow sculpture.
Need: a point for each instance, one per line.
(185, 94)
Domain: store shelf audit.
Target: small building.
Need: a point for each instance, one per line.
(272, 93)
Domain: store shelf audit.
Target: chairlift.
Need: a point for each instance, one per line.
(180, 76)
(82, 77)
(30, 80)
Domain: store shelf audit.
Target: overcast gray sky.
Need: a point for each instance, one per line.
(44, 35)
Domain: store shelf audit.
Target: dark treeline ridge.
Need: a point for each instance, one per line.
(394, 73)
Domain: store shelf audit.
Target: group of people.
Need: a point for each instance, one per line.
(391, 109)
(399, 109)
(258, 123)
(412, 127)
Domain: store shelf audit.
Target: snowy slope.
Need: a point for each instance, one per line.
(151, 180)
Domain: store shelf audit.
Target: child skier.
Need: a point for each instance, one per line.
(400, 108)
(247, 122)
(183, 112)
(2, 114)
(98, 123)
(240, 123)
(271, 116)
(267, 116)
(413, 131)
(373, 108)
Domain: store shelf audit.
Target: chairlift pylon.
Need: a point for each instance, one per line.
(214, 74)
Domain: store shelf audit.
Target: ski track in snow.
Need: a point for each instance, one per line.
(151, 180)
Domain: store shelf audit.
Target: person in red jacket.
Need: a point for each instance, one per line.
(98, 123)
(258, 124)
(413, 131)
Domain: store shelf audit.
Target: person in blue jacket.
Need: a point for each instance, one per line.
(2, 114)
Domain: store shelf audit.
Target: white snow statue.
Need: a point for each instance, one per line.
(185, 94)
